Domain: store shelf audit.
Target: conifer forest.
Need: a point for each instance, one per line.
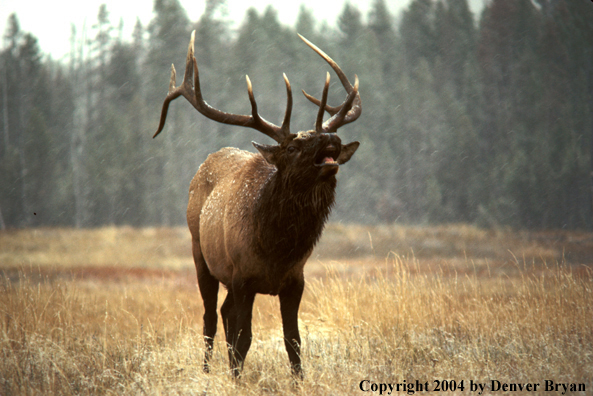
(483, 119)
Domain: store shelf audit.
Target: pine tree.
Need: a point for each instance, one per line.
(417, 32)
(168, 37)
(26, 109)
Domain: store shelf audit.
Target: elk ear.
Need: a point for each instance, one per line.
(347, 152)
(267, 151)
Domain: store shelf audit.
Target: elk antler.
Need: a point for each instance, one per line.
(348, 111)
(193, 95)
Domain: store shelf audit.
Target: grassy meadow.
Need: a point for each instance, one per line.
(117, 311)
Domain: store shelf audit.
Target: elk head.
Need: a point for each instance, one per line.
(319, 152)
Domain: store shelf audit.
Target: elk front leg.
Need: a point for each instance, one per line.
(209, 290)
(290, 299)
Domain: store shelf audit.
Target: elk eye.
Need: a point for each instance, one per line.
(291, 150)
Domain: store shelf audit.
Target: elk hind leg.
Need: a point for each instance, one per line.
(290, 299)
(229, 321)
(243, 299)
(209, 290)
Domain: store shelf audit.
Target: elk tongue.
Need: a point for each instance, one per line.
(329, 160)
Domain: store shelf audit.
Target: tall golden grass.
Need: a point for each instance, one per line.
(387, 320)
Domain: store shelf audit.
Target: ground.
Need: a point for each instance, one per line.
(117, 311)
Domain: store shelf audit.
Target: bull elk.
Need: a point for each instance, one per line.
(255, 218)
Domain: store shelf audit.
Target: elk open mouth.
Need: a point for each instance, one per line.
(327, 158)
(327, 161)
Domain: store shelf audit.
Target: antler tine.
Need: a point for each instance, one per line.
(287, 114)
(352, 106)
(349, 111)
(254, 112)
(185, 86)
(319, 122)
(193, 94)
(173, 78)
(332, 63)
(330, 109)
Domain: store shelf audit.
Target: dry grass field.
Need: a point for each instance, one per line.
(117, 311)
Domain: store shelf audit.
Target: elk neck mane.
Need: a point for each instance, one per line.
(289, 216)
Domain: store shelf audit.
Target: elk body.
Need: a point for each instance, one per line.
(255, 217)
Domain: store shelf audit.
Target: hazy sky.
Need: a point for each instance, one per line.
(50, 21)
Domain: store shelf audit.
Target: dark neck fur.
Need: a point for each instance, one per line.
(290, 216)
